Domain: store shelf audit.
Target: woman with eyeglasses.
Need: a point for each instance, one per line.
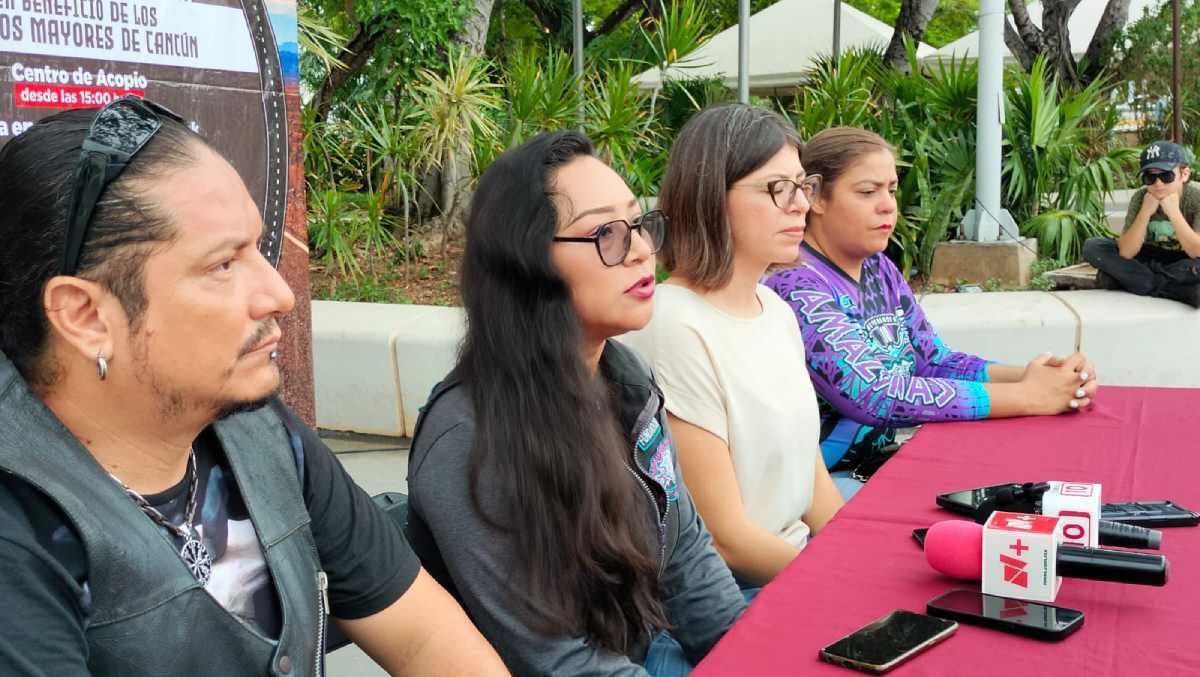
(874, 358)
(727, 350)
(544, 490)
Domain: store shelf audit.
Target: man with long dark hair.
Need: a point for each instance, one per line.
(160, 512)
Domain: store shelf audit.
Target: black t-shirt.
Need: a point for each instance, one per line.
(43, 567)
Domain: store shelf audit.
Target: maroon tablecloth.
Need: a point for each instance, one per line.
(1140, 443)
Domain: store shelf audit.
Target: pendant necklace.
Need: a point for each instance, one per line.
(193, 553)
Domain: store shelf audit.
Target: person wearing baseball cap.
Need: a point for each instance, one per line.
(1158, 253)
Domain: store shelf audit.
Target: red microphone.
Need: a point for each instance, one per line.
(955, 548)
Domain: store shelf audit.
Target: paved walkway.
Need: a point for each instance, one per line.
(378, 464)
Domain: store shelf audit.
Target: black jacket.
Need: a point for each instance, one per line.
(475, 562)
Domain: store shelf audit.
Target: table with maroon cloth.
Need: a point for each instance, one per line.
(1140, 443)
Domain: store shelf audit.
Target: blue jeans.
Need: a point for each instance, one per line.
(666, 658)
(846, 485)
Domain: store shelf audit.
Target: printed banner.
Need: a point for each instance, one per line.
(230, 68)
(163, 32)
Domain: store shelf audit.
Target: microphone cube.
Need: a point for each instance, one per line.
(1020, 554)
(1077, 505)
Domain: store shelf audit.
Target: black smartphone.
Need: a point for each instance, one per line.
(919, 537)
(1030, 619)
(887, 642)
(967, 501)
(1153, 514)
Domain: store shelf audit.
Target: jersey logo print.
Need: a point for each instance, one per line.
(868, 371)
(662, 469)
(649, 435)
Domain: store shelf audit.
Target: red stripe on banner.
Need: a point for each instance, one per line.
(36, 95)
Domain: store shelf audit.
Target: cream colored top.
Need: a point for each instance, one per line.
(745, 381)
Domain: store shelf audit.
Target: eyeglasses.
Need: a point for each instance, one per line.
(1148, 178)
(783, 191)
(613, 239)
(117, 133)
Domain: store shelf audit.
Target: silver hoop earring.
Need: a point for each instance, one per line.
(101, 366)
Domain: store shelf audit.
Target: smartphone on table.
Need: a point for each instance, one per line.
(968, 501)
(887, 642)
(1029, 619)
(1150, 514)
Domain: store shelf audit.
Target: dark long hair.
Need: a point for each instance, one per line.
(546, 430)
(36, 170)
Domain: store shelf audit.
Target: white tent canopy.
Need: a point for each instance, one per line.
(784, 40)
(1080, 29)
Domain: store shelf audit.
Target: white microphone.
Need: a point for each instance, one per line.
(1077, 505)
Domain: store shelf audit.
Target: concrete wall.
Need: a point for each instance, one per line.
(375, 364)
(1009, 327)
(1132, 340)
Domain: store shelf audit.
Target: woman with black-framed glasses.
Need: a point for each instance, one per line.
(543, 483)
(727, 350)
(614, 238)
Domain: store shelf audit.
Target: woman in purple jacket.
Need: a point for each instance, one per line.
(874, 358)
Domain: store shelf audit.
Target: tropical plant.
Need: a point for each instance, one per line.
(837, 94)
(386, 135)
(373, 231)
(946, 93)
(1061, 160)
(933, 193)
(1062, 232)
(679, 30)
(541, 94)
(618, 123)
(455, 108)
(318, 39)
(324, 151)
(330, 234)
(929, 119)
(408, 115)
(680, 99)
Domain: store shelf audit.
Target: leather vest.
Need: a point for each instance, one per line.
(149, 615)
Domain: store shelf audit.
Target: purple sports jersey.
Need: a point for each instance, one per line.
(874, 359)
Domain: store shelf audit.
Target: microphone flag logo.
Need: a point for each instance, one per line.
(1014, 567)
(1018, 556)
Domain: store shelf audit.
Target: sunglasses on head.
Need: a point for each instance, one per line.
(118, 132)
(1148, 178)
